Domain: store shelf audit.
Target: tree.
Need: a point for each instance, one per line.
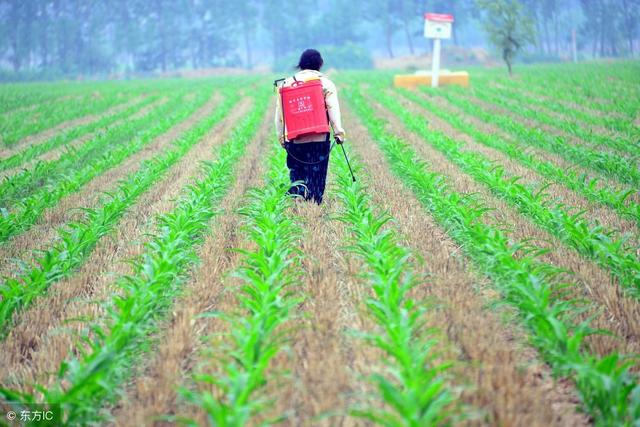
(409, 11)
(462, 10)
(245, 13)
(631, 17)
(509, 29)
(385, 12)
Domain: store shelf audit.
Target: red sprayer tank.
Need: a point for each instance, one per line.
(304, 109)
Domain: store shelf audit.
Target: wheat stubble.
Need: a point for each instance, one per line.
(327, 361)
(508, 382)
(153, 393)
(40, 340)
(592, 281)
(43, 232)
(57, 153)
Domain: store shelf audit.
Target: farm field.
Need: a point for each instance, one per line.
(484, 269)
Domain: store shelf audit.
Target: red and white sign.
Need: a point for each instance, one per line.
(437, 25)
(438, 17)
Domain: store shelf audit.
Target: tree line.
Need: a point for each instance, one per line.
(106, 36)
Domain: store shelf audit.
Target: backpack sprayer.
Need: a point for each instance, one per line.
(304, 112)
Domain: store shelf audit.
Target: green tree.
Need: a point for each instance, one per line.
(246, 14)
(631, 19)
(509, 29)
(386, 14)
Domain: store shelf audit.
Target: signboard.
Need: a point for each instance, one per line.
(437, 26)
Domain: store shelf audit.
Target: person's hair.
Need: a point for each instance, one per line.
(310, 60)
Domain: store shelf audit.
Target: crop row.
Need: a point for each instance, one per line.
(575, 116)
(15, 98)
(589, 188)
(46, 173)
(16, 126)
(26, 211)
(266, 299)
(615, 166)
(592, 85)
(94, 378)
(594, 242)
(520, 106)
(78, 239)
(31, 152)
(609, 390)
(412, 386)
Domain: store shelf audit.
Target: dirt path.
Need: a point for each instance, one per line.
(327, 360)
(153, 393)
(40, 341)
(593, 282)
(43, 232)
(508, 383)
(40, 137)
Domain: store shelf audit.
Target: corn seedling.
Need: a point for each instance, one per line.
(608, 387)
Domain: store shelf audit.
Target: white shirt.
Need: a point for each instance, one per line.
(330, 99)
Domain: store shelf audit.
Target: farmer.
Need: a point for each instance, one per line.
(308, 155)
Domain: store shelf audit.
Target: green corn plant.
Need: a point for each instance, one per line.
(86, 385)
(622, 169)
(25, 212)
(595, 141)
(591, 241)
(267, 300)
(413, 386)
(78, 238)
(592, 85)
(630, 132)
(61, 139)
(15, 98)
(47, 173)
(591, 189)
(17, 126)
(607, 385)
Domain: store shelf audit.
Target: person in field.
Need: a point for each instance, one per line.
(308, 154)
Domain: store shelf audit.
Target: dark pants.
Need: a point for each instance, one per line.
(308, 162)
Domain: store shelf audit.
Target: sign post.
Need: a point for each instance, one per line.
(437, 27)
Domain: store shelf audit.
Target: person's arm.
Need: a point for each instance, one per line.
(333, 108)
(278, 120)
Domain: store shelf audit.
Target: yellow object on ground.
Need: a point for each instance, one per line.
(410, 81)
